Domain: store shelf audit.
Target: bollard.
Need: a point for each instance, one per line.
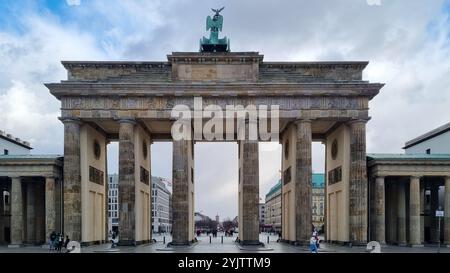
(267, 239)
(210, 239)
(222, 239)
(164, 240)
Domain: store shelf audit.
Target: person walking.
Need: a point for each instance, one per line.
(52, 240)
(313, 244)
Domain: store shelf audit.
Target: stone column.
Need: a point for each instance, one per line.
(358, 183)
(249, 228)
(414, 211)
(422, 210)
(50, 208)
(31, 212)
(106, 192)
(401, 214)
(72, 179)
(447, 211)
(380, 215)
(303, 187)
(17, 213)
(434, 235)
(127, 216)
(180, 195)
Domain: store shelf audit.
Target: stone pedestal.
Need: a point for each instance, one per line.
(401, 214)
(17, 212)
(414, 211)
(303, 183)
(50, 208)
(72, 179)
(358, 183)
(126, 183)
(447, 211)
(380, 215)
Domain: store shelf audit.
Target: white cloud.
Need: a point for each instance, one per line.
(73, 2)
(373, 2)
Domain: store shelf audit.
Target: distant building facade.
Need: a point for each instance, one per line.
(273, 208)
(436, 141)
(318, 200)
(262, 216)
(161, 206)
(10, 145)
(113, 202)
(273, 204)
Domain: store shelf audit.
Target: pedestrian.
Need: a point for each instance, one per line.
(313, 244)
(66, 242)
(52, 240)
(316, 235)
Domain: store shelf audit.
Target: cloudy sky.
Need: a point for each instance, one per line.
(407, 43)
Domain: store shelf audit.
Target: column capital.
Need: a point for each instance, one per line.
(416, 176)
(356, 120)
(302, 120)
(70, 120)
(126, 120)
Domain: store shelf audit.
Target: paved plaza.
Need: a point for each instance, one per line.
(228, 246)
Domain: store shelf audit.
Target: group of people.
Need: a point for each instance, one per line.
(208, 232)
(57, 241)
(314, 242)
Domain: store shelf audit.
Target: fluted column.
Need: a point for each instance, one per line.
(17, 212)
(358, 183)
(127, 194)
(380, 215)
(447, 211)
(434, 233)
(414, 211)
(249, 228)
(401, 214)
(50, 208)
(422, 210)
(303, 187)
(180, 196)
(72, 179)
(31, 212)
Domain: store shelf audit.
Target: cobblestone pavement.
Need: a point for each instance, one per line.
(228, 246)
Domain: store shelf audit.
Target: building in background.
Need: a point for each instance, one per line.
(113, 202)
(273, 208)
(318, 200)
(161, 206)
(10, 145)
(262, 217)
(406, 191)
(273, 204)
(31, 193)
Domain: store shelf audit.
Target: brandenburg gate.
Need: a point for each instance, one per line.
(131, 102)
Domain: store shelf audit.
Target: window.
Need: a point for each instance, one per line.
(428, 151)
(5, 152)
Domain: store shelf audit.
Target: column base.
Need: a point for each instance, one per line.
(127, 243)
(402, 244)
(15, 245)
(416, 245)
(184, 243)
(251, 243)
(357, 243)
(295, 243)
